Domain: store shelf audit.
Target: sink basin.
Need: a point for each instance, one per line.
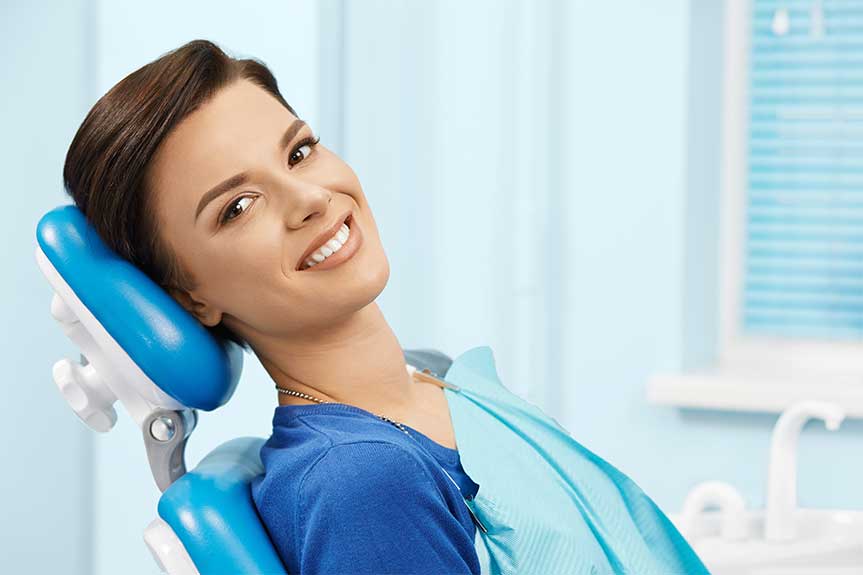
(827, 542)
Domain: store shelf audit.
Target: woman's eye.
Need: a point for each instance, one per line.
(233, 211)
(303, 156)
(308, 143)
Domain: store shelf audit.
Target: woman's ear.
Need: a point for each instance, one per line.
(204, 312)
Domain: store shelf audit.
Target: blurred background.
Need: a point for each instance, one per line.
(558, 180)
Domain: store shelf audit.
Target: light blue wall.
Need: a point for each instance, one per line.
(447, 124)
(46, 452)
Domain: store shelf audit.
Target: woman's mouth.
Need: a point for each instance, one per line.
(335, 250)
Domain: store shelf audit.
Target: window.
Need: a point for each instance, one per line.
(791, 291)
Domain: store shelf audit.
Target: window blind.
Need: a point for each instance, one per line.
(803, 268)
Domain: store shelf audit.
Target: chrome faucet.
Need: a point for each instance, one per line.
(782, 472)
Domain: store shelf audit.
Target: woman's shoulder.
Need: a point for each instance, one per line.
(355, 467)
(339, 463)
(326, 455)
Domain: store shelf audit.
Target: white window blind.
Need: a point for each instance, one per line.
(803, 269)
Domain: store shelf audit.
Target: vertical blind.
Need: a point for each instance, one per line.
(803, 268)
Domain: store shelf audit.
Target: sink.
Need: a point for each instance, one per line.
(827, 542)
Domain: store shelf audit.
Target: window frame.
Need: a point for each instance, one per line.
(807, 358)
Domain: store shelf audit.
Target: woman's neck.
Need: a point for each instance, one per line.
(359, 362)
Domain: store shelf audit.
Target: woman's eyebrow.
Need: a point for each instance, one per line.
(241, 178)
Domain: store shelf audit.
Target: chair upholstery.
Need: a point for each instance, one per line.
(212, 512)
(170, 345)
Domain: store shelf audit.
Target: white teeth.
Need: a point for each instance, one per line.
(332, 245)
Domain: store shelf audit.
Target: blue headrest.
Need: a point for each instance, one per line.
(168, 344)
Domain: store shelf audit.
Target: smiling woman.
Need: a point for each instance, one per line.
(196, 169)
(195, 161)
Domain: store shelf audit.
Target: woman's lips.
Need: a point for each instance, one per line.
(355, 240)
(322, 238)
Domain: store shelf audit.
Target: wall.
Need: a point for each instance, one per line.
(46, 451)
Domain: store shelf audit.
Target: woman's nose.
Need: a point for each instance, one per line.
(304, 202)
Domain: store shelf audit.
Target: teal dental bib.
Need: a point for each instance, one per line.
(547, 504)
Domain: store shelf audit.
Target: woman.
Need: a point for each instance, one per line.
(196, 169)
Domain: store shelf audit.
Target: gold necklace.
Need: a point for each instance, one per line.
(424, 375)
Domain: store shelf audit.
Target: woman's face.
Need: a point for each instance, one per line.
(245, 248)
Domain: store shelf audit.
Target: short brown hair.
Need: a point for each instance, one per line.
(109, 156)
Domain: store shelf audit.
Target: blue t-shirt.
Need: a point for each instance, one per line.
(346, 492)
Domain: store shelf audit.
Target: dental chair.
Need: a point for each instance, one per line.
(140, 347)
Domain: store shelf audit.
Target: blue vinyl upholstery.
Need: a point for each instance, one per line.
(212, 512)
(169, 345)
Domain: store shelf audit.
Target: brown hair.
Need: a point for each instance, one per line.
(108, 158)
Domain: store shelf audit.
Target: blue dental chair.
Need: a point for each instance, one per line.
(141, 348)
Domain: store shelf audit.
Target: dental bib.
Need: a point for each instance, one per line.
(548, 505)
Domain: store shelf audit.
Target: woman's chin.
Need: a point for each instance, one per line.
(370, 280)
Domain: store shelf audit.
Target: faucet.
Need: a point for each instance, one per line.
(733, 523)
(782, 472)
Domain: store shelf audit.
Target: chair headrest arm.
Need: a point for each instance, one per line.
(165, 433)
